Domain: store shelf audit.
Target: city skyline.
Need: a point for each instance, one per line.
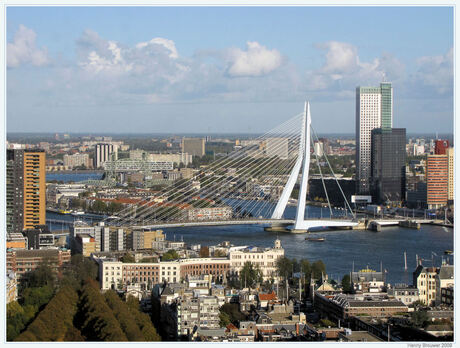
(82, 73)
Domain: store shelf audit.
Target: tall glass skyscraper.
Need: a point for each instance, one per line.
(388, 165)
(374, 109)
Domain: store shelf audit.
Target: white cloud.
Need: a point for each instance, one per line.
(257, 60)
(99, 55)
(341, 57)
(343, 70)
(23, 49)
(436, 72)
(166, 43)
(152, 72)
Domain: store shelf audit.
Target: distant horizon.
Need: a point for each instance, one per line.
(83, 134)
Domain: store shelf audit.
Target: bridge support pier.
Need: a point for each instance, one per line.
(277, 227)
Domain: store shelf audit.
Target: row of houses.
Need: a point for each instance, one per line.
(117, 274)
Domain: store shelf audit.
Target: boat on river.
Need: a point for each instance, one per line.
(78, 212)
(313, 239)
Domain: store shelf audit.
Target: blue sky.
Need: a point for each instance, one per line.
(231, 69)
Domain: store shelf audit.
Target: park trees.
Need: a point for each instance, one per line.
(250, 275)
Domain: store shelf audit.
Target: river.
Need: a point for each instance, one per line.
(341, 248)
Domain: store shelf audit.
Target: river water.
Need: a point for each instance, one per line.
(73, 177)
(341, 248)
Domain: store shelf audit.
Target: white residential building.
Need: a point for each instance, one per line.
(76, 160)
(374, 109)
(264, 258)
(177, 158)
(104, 153)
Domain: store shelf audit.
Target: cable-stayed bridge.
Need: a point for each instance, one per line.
(251, 185)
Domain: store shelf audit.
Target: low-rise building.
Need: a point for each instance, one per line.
(404, 293)
(264, 258)
(141, 239)
(342, 306)
(367, 280)
(85, 244)
(358, 336)
(15, 241)
(115, 274)
(23, 261)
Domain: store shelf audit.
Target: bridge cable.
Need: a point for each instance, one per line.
(322, 178)
(231, 158)
(219, 162)
(211, 181)
(333, 174)
(247, 172)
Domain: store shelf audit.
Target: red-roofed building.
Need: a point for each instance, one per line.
(266, 299)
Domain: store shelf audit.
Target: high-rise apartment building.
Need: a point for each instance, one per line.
(374, 109)
(388, 165)
(193, 146)
(440, 147)
(77, 160)
(437, 179)
(103, 153)
(450, 187)
(25, 189)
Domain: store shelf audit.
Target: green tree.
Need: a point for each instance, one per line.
(284, 267)
(419, 318)
(114, 207)
(142, 320)
(128, 258)
(78, 270)
(99, 206)
(43, 275)
(250, 275)
(95, 318)
(326, 323)
(124, 316)
(318, 268)
(224, 319)
(305, 268)
(233, 312)
(346, 284)
(55, 320)
(37, 296)
(17, 318)
(76, 203)
(170, 255)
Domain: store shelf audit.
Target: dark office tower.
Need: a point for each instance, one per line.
(25, 189)
(440, 147)
(388, 165)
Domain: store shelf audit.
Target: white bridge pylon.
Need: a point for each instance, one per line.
(303, 160)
